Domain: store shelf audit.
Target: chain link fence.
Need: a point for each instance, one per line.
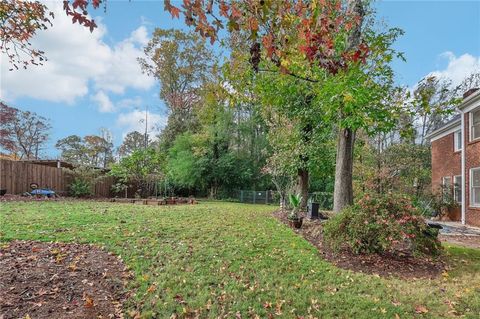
(258, 197)
(324, 199)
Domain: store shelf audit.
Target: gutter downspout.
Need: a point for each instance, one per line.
(464, 206)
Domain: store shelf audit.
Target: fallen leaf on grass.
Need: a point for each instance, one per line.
(179, 298)
(421, 309)
(208, 306)
(134, 314)
(151, 289)
(278, 307)
(396, 303)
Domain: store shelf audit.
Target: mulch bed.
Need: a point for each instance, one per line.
(56, 280)
(399, 264)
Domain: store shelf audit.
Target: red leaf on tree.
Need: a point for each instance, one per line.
(236, 14)
(175, 12)
(253, 24)
(224, 9)
(268, 45)
(96, 3)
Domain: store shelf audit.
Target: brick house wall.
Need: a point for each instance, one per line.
(446, 162)
(472, 160)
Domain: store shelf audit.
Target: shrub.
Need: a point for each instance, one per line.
(80, 188)
(83, 180)
(380, 223)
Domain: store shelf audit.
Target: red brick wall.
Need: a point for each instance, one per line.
(472, 159)
(445, 162)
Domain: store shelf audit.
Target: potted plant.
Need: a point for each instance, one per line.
(293, 219)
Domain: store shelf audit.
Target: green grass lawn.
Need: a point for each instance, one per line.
(220, 259)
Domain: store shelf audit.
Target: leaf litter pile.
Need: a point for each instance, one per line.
(57, 280)
(399, 264)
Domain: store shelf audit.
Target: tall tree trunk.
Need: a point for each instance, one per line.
(343, 193)
(303, 170)
(303, 187)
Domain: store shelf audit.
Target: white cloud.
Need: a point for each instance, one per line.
(130, 102)
(104, 103)
(123, 70)
(458, 68)
(76, 57)
(140, 36)
(135, 121)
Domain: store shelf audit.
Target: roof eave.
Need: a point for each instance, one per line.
(444, 129)
(469, 100)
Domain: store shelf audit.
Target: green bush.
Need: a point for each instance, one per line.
(80, 188)
(380, 223)
(84, 178)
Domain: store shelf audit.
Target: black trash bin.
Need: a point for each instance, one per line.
(312, 211)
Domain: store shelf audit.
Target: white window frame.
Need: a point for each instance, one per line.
(446, 189)
(457, 144)
(472, 188)
(444, 178)
(472, 138)
(457, 187)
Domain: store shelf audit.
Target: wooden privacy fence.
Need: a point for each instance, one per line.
(103, 187)
(16, 177)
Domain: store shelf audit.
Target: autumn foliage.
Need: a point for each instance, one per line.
(21, 20)
(77, 9)
(319, 30)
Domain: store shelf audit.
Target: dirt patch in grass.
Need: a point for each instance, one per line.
(56, 280)
(461, 240)
(400, 264)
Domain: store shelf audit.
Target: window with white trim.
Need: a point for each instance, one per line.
(457, 140)
(447, 187)
(457, 188)
(475, 186)
(475, 125)
(446, 181)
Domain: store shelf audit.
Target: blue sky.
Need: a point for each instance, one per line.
(93, 80)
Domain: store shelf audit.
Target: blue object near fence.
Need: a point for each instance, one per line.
(43, 192)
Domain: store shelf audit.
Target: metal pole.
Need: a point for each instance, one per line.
(254, 194)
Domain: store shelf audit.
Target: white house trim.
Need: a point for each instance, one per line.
(472, 203)
(470, 125)
(471, 102)
(444, 131)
